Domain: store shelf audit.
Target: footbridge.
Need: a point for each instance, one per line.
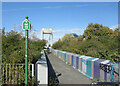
(69, 68)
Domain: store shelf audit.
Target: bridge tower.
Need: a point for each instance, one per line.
(47, 31)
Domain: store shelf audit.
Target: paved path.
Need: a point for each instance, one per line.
(65, 73)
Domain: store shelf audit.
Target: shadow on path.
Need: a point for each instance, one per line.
(52, 74)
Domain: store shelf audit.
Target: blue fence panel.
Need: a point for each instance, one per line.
(65, 56)
(68, 57)
(97, 69)
(62, 55)
(77, 62)
(84, 64)
(89, 67)
(81, 61)
(105, 70)
(115, 72)
(72, 59)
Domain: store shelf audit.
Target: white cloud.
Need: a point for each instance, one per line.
(61, 32)
(68, 31)
(115, 26)
(75, 30)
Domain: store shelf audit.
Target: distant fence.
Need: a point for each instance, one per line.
(94, 68)
(15, 73)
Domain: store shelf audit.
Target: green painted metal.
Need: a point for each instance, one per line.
(26, 57)
(26, 22)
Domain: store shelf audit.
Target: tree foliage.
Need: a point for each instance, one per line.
(97, 41)
(13, 48)
(13, 53)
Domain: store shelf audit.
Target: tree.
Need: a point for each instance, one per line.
(58, 44)
(13, 48)
(100, 41)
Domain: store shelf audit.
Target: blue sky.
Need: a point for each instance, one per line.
(62, 17)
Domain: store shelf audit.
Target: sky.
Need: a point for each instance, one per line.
(60, 0)
(62, 17)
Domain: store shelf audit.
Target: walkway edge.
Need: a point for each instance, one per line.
(42, 70)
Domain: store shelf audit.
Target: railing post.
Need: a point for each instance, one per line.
(32, 70)
(36, 72)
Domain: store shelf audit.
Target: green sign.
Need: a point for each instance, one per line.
(26, 24)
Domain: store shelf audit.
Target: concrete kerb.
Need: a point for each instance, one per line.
(42, 70)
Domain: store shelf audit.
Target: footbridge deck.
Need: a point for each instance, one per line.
(64, 73)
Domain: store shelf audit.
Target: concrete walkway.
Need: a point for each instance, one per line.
(65, 73)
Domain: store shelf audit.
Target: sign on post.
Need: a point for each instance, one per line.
(26, 24)
(26, 27)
